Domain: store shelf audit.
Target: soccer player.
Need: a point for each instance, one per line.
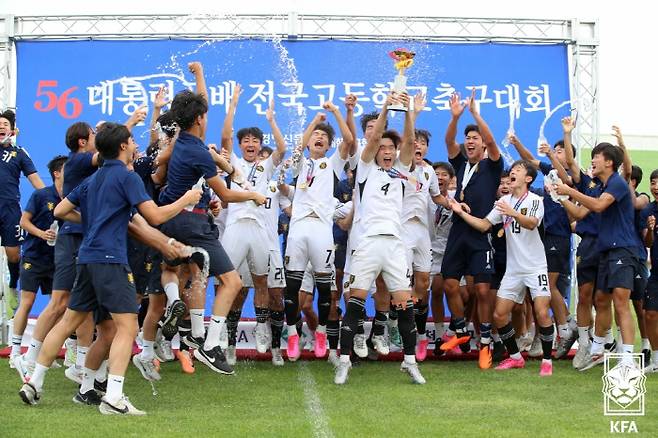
(619, 247)
(520, 212)
(650, 304)
(468, 251)
(37, 260)
(14, 160)
(104, 283)
(380, 249)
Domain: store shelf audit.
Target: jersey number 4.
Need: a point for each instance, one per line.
(385, 188)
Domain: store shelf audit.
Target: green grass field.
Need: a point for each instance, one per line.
(300, 400)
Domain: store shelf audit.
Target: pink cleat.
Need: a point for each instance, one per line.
(320, 344)
(293, 348)
(546, 368)
(421, 349)
(510, 363)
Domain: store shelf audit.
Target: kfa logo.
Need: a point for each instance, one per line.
(624, 385)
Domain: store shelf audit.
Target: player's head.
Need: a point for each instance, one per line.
(265, 152)
(503, 186)
(444, 173)
(653, 184)
(167, 125)
(250, 140)
(80, 137)
(559, 152)
(368, 123)
(190, 111)
(55, 167)
(606, 159)
(473, 144)
(7, 123)
(421, 144)
(114, 141)
(636, 176)
(321, 138)
(522, 174)
(388, 149)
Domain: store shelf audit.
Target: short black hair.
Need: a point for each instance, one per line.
(109, 139)
(252, 130)
(504, 173)
(56, 164)
(636, 174)
(266, 150)
(444, 165)
(654, 175)
(609, 152)
(75, 132)
(186, 107)
(470, 128)
(327, 128)
(393, 136)
(560, 144)
(369, 117)
(423, 133)
(11, 116)
(167, 124)
(530, 168)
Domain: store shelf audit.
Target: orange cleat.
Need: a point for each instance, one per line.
(454, 342)
(484, 360)
(185, 360)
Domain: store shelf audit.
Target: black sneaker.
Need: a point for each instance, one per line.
(214, 359)
(90, 398)
(611, 347)
(498, 351)
(100, 387)
(192, 342)
(647, 357)
(173, 315)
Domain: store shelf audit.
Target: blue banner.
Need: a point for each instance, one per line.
(524, 87)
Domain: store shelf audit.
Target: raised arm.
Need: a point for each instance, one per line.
(372, 146)
(628, 163)
(561, 172)
(408, 135)
(350, 103)
(345, 146)
(158, 103)
(196, 68)
(487, 137)
(523, 152)
(568, 125)
(280, 141)
(137, 117)
(306, 137)
(456, 110)
(227, 128)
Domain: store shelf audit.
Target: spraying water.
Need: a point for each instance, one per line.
(513, 110)
(542, 139)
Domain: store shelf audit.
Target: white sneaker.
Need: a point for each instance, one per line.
(582, 355)
(55, 365)
(146, 367)
(23, 367)
(231, 357)
(277, 357)
(333, 358)
(162, 350)
(342, 372)
(380, 344)
(122, 407)
(71, 354)
(223, 337)
(535, 348)
(74, 374)
(592, 361)
(12, 358)
(261, 338)
(29, 394)
(360, 347)
(413, 371)
(651, 368)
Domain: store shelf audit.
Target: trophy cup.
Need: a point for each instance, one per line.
(403, 60)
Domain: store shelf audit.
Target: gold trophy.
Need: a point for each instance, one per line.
(403, 60)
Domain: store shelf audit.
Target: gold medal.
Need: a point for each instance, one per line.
(303, 185)
(501, 232)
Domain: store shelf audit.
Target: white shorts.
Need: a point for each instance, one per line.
(247, 240)
(276, 278)
(380, 254)
(245, 274)
(308, 282)
(437, 261)
(512, 286)
(416, 240)
(310, 240)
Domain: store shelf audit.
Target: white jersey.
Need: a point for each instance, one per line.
(274, 204)
(441, 218)
(257, 174)
(525, 249)
(422, 186)
(314, 191)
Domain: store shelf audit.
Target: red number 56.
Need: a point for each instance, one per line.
(64, 102)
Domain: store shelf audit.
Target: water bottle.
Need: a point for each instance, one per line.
(197, 186)
(55, 228)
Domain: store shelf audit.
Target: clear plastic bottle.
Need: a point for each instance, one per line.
(53, 227)
(197, 186)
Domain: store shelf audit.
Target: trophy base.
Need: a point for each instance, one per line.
(398, 107)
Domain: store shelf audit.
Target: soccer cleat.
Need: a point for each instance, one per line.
(185, 360)
(565, 344)
(214, 359)
(262, 340)
(23, 367)
(74, 374)
(293, 348)
(162, 350)
(421, 349)
(71, 354)
(592, 361)
(320, 347)
(29, 394)
(122, 407)
(413, 371)
(651, 368)
(582, 355)
(394, 336)
(342, 372)
(510, 363)
(193, 342)
(498, 352)
(174, 313)
(360, 347)
(90, 398)
(455, 341)
(535, 348)
(100, 387)
(546, 368)
(333, 358)
(380, 344)
(231, 356)
(147, 368)
(277, 357)
(484, 357)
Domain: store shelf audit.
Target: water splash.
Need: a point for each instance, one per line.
(541, 137)
(513, 109)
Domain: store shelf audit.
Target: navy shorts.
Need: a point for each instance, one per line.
(153, 267)
(11, 233)
(137, 253)
(617, 269)
(66, 254)
(340, 255)
(199, 230)
(640, 283)
(651, 295)
(104, 289)
(558, 253)
(468, 252)
(587, 260)
(36, 276)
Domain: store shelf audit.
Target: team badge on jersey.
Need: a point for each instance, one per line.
(260, 168)
(323, 165)
(27, 266)
(352, 278)
(51, 206)
(524, 211)
(272, 189)
(427, 176)
(592, 184)
(287, 260)
(131, 278)
(148, 266)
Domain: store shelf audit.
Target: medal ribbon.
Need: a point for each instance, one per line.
(252, 172)
(394, 173)
(510, 219)
(309, 174)
(468, 173)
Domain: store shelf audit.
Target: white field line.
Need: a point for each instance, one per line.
(313, 404)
